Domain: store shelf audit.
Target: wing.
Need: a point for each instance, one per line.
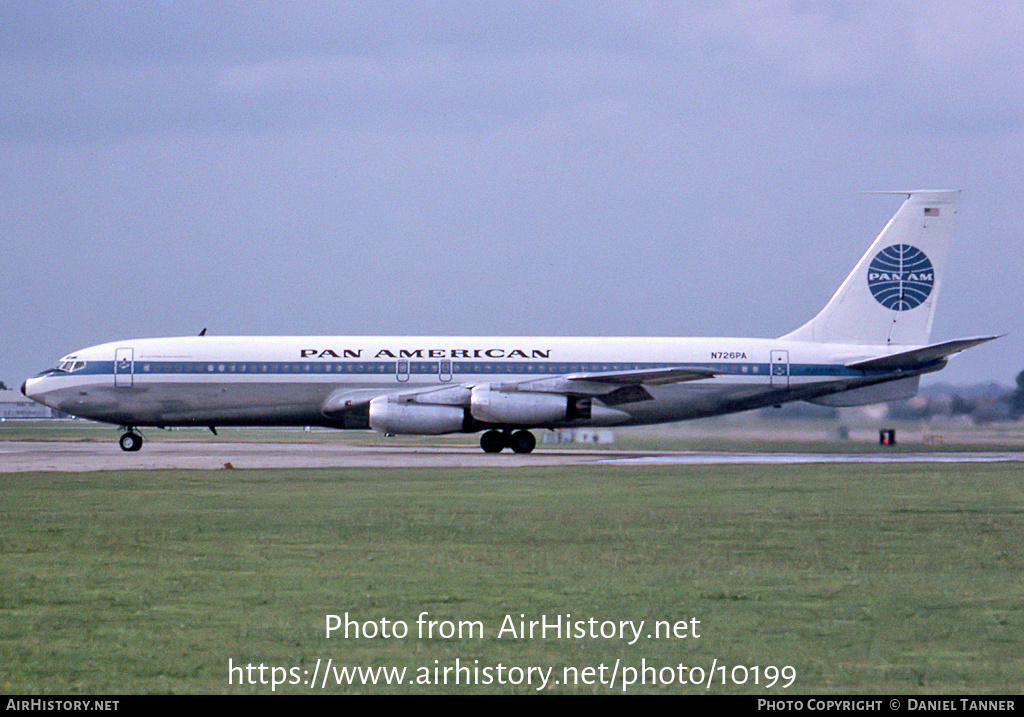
(651, 376)
(550, 400)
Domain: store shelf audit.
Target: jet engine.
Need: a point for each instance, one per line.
(524, 408)
(389, 416)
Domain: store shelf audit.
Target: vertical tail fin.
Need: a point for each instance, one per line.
(890, 296)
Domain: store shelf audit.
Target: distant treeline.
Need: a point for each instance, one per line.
(982, 403)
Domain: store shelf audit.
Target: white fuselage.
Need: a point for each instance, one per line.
(301, 381)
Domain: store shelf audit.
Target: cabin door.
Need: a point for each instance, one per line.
(780, 369)
(124, 367)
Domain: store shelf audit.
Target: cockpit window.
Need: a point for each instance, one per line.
(69, 365)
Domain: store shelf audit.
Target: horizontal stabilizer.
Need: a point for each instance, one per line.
(919, 357)
(651, 376)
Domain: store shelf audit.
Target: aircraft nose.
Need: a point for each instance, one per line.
(23, 384)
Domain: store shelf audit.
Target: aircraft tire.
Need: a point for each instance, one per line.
(131, 442)
(523, 442)
(493, 442)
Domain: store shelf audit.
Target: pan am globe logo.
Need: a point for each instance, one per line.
(901, 277)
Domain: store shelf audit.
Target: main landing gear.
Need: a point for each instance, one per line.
(131, 441)
(497, 441)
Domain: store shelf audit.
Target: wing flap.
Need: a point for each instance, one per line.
(652, 376)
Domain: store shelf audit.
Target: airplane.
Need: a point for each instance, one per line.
(869, 344)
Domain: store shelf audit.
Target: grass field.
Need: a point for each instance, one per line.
(863, 578)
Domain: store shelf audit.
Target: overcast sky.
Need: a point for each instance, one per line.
(525, 168)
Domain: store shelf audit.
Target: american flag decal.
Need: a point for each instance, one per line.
(931, 211)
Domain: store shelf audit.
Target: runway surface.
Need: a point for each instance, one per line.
(20, 456)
